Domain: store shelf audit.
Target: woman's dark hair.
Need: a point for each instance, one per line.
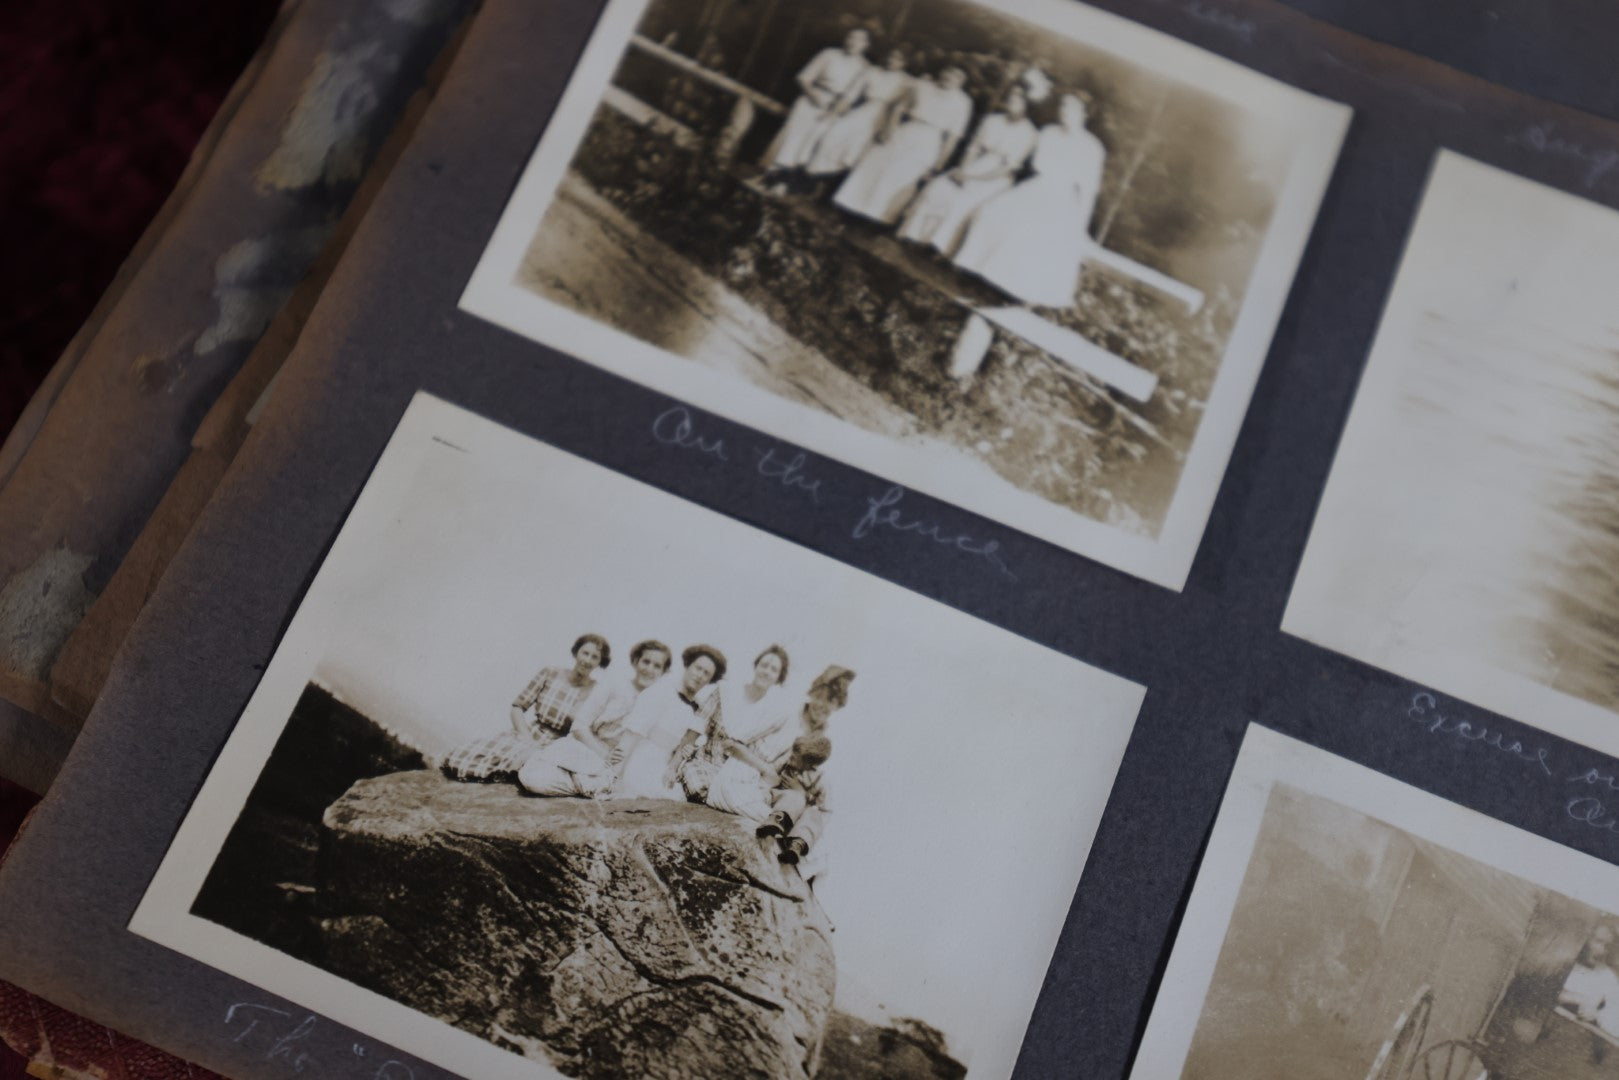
(651, 645)
(601, 643)
(691, 654)
(781, 653)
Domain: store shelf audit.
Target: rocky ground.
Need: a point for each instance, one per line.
(636, 938)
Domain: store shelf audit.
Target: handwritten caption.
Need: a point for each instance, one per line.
(1214, 15)
(883, 512)
(1599, 161)
(283, 1037)
(1596, 811)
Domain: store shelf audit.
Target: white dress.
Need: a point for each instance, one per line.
(825, 79)
(1032, 239)
(568, 766)
(998, 149)
(756, 725)
(884, 181)
(849, 135)
(661, 717)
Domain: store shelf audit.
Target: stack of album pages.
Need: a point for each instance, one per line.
(703, 539)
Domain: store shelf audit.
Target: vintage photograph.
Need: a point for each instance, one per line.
(1367, 939)
(555, 774)
(1469, 534)
(1027, 258)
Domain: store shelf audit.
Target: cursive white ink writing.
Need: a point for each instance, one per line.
(285, 1048)
(1589, 811)
(673, 427)
(1424, 710)
(1225, 20)
(1595, 776)
(789, 472)
(1599, 162)
(881, 513)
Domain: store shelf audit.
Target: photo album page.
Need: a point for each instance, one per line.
(897, 540)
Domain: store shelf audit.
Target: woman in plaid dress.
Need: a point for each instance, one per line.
(554, 696)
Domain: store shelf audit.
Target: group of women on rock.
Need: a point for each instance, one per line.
(1014, 207)
(737, 746)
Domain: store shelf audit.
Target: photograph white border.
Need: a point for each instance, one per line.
(1309, 617)
(164, 912)
(1318, 125)
(1269, 758)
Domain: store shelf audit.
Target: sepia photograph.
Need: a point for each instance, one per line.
(1025, 257)
(555, 774)
(1469, 534)
(1346, 926)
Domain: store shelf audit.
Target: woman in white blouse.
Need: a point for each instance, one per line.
(581, 763)
(999, 148)
(748, 716)
(935, 117)
(823, 83)
(1031, 240)
(664, 725)
(863, 112)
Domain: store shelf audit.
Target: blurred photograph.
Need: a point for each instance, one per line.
(1375, 932)
(1026, 258)
(555, 774)
(1469, 534)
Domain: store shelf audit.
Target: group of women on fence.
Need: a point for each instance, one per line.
(736, 746)
(1014, 208)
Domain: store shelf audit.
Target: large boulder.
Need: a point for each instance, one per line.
(636, 938)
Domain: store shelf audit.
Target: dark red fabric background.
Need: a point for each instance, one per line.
(101, 102)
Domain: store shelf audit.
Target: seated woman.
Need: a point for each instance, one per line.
(662, 727)
(999, 147)
(746, 716)
(1031, 240)
(823, 82)
(582, 763)
(783, 797)
(862, 112)
(556, 696)
(794, 790)
(935, 117)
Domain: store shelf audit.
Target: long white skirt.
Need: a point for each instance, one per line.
(885, 180)
(846, 139)
(806, 123)
(643, 774)
(939, 215)
(737, 788)
(1030, 241)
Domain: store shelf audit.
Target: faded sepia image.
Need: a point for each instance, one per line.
(1016, 251)
(1357, 949)
(1469, 535)
(1361, 951)
(556, 774)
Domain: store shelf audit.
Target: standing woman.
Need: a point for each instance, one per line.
(824, 82)
(1031, 241)
(555, 695)
(664, 725)
(935, 117)
(998, 149)
(862, 112)
(582, 763)
(747, 716)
